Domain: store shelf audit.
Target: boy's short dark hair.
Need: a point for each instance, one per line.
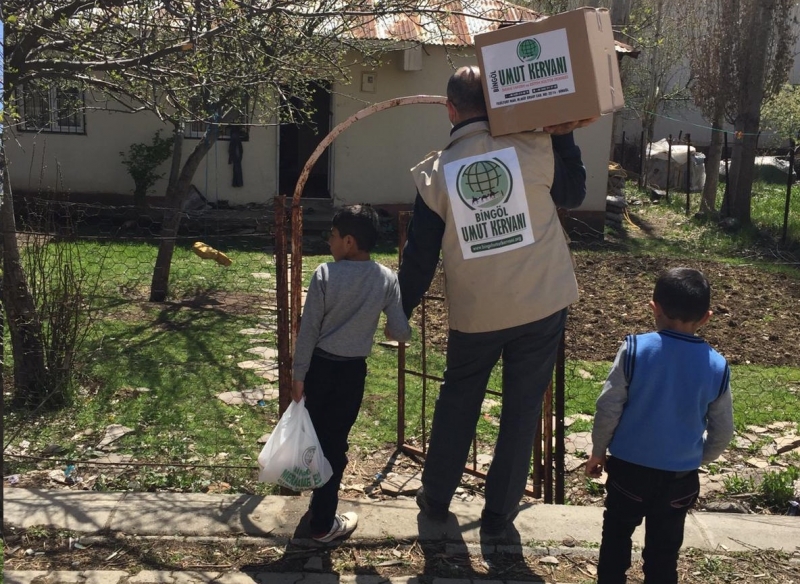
(360, 221)
(683, 293)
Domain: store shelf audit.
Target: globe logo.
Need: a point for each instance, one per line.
(528, 50)
(484, 184)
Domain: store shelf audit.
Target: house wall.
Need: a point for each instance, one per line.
(90, 165)
(370, 161)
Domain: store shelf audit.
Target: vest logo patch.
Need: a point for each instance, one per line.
(487, 196)
(484, 184)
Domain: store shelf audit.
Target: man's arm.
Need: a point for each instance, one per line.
(397, 327)
(420, 255)
(569, 179)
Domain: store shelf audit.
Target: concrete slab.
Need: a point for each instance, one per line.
(739, 532)
(74, 510)
(279, 518)
(199, 514)
(22, 576)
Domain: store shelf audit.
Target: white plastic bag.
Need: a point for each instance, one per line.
(292, 457)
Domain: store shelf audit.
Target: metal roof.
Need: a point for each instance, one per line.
(454, 23)
(437, 22)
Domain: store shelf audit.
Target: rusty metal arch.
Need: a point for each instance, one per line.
(289, 308)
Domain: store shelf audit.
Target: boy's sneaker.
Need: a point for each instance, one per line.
(433, 510)
(343, 525)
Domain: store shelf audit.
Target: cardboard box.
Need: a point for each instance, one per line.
(559, 69)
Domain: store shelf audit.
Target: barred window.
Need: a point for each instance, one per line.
(52, 109)
(240, 119)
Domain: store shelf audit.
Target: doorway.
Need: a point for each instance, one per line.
(298, 141)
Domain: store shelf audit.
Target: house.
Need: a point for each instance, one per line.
(80, 154)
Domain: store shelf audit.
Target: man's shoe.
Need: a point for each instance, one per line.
(494, 524)
(343, 525)
(433, 510)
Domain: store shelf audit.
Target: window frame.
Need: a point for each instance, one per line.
(195, 130)
(51, 97)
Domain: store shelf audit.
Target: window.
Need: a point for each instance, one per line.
(238, 118)
(52, 109)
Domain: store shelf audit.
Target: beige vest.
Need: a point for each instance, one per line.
(506, 261)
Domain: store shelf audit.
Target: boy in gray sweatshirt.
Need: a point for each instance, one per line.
(340, 316)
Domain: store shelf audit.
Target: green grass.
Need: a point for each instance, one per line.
(187, 354)
(693, 238)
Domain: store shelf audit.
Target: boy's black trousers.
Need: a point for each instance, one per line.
(333, 390)
(662, 498)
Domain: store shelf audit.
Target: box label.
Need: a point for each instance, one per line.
(489, 205)
(528, 69)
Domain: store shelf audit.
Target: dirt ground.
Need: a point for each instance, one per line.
(755, 316)
(427, 561)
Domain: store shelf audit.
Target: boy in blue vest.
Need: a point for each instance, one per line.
(344, 303)
(665, 409)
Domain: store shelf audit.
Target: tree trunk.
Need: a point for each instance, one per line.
(748, 117)
(708, 204)
(620, 16)
(176, 194)
(25, 328)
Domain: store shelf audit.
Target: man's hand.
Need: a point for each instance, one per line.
(594, 466)
(387, 334)
(568, 127)
(298, 390)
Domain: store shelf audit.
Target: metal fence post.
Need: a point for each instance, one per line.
(688, 169)
(669, 164)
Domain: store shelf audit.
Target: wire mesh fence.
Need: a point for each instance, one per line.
(178, 394)
(131, 393)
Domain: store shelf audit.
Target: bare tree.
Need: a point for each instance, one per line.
(186, 61)
(760, 40)
(710, 60)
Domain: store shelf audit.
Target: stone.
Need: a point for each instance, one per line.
(578, 442)
(259, 364)
(104, 576)
(777, 426)
(254, 331)
(248, 396)
(271, 376)
(725, 507)
(757, 462)
(114, 458)
(195, 577)
(549, 560)
(261, 275)
(113, 432)
(267, 353)
(484, 459)
(756, 429)
(786, 443)
(264, 438)
(22, 576)
(572, 463)
(152, 577)
(400, 484)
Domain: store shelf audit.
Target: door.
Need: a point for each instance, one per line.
(298, 141)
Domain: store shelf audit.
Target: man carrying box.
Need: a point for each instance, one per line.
(489, 204)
